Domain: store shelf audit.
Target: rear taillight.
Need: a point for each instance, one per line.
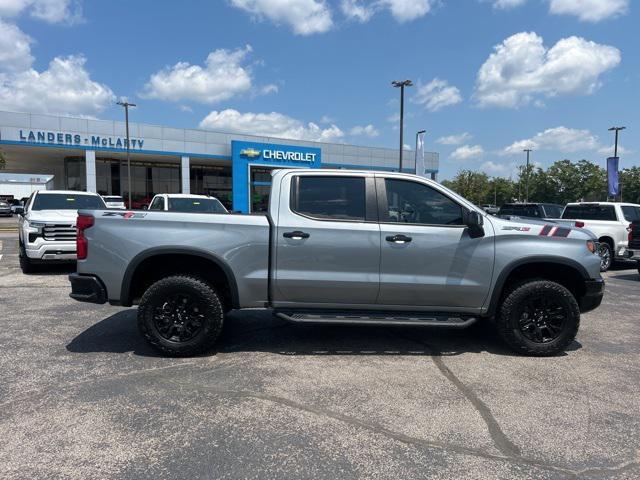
(580, 224)
(630, 230)
(82, 245)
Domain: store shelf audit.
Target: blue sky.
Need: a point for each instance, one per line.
(491, 76)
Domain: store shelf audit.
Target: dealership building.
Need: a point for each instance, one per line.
(87, 154)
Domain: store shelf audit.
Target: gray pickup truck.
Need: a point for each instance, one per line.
(339, 246)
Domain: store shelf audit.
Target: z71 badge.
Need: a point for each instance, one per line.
(125, 215)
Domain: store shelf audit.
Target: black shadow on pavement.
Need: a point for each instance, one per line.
(262, 332)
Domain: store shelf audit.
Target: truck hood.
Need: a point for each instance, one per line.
(539, 228)
(53, 216)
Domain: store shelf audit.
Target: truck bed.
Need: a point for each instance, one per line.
(120, 240)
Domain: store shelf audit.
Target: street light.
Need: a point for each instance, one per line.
(126, 106)
(526, 191)
(401, 84)
(616, 129)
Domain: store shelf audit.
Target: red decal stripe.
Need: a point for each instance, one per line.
(545, 230)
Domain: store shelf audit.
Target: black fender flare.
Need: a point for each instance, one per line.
(498, 287)
(125, 299)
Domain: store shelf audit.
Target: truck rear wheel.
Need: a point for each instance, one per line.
(539, 318)
(180, 316)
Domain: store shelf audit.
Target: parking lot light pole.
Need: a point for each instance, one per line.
(401, 84)
(526, 182)
(126, 106)
(615, 148)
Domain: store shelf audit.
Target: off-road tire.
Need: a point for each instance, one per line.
(207, 297)
(605, 265)
(26, 265)
(507, 320)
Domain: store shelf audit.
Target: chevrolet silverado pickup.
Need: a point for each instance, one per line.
(47, 226)
(338, 246)
(608, 221)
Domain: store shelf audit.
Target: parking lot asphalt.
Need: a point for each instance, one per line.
(83, 397)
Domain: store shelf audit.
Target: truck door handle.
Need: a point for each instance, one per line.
(297, 235)
(398, 239)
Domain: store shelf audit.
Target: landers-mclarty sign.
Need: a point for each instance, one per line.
(62, 138)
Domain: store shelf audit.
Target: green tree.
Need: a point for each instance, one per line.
(630, 183)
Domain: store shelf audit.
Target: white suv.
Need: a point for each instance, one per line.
(47, 227)
(609, 221)
(184, 202)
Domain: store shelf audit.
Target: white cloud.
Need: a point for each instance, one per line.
(401, 10)
(272, 124)
(560, 139)
(496, 169)
(64, 88)
(467, 152)
(506, 4)
(305, 17)
(522, 69)
(365, 131)
(437, 94)
(356, 10)
(15, 48)
(454, 139)
(50, 11)
(223, 76)
(607, 151)
(589, 10)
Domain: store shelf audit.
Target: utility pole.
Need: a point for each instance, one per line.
(526, 194)
(401, 84)
(126, 106)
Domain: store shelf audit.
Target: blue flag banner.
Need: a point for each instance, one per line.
(612, 176)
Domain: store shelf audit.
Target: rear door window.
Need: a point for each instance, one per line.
(631, 214)
(329, 198)
(590, 212)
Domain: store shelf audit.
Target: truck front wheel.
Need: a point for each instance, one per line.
(539, 318)
(180, 316)
(25, 263)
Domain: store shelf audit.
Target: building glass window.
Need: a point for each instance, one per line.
(213, 180)
(75, 173)
(147, 180)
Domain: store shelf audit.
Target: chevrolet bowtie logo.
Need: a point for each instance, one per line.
(250, 152)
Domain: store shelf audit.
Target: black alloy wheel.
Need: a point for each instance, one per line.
(180, 318)
(542, 319)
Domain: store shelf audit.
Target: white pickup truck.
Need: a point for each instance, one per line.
(609, 221)
(47, 226)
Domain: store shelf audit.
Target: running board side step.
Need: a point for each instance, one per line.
(425, 320)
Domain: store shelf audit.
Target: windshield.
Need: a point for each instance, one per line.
(66, 201)
(520, 210)
(590, 212)
(196, 205)
(113, 199)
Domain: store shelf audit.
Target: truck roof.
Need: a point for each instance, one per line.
(604, 203)
(65, 192)
(183, 195)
